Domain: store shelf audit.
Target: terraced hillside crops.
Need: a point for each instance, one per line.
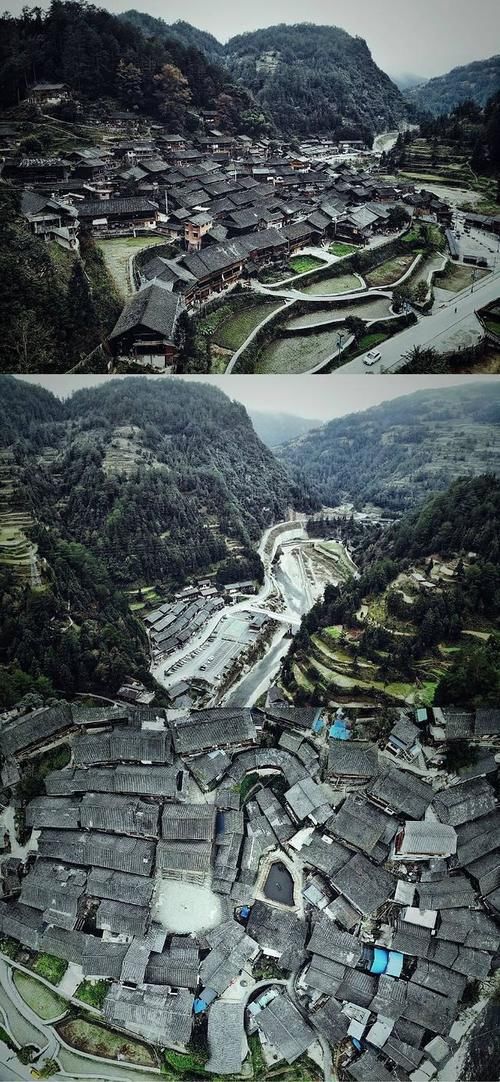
(334, 662)
(17, 552)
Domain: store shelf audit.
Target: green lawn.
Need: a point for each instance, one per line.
(93, 992)
(302, 263)
(117, 252)
(98, 1040)
(232, 331)
(50, 967)
(335, 632)
(43, 1002)
(340, 248)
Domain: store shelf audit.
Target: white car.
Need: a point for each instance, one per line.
(372, 357)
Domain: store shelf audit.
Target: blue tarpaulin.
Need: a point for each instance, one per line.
(395, 964)
(380, 960)
(339, 730)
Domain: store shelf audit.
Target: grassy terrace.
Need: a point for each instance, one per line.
(43, 1002)
(50, 967)
(117, 252)
(93, 992)
(98, 1040)
(298, 264)
(340, 283)
(235, 325)
(340, 248)
(296, 354)
(457, 277)
(390, 271)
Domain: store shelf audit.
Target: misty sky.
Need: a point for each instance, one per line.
(305, 396)
(422, 37)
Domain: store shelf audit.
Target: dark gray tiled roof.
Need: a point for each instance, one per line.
(369, 1068)
(366, 886)
(411, 939)
(477, 838)
(439, 979)
(331, 1022)
(277, 930)
(324, 975)
(154, 308)
(204, 729)
(390, 997)
(486, 872)
(119, 886)
(450, 893)
(177, 966)
(181, 822)
(361, 824)
(329, 942)
(22, 922)
(61, 813)
(226, 1037)
(324, 854)
(120, 853)
(120, 917)
(464, 802)
(122, 814)
(357, 987)
(471, 928)
(429, 1009)
(402, 791)
(355, 759)
(31, 729)
(176, 857)
(284, 1028)
(151, 1012)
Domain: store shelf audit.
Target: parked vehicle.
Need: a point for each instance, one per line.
(372, 357)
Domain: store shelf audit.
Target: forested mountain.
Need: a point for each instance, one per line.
(154, 476)
(101, 56)
(309, 79)
(408, 622)
(182, 31)
(477, 82)
(395, 454)
(277, 428)
(134, 482)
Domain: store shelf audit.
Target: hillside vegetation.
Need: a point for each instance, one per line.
(420, 623)
(470, 82)
(140, 482)
(307, 78)
(395, 454)
(101, 56)
(55, 307)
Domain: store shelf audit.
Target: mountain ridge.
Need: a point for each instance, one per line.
(308, 78)
(396, 453)
(477, 81)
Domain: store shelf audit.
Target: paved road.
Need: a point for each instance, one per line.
(432, 330)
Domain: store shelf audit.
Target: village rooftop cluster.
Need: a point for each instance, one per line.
(368, 881)
(226, 206)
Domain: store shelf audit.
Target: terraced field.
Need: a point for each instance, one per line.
(17, 552)
(390, 271)
(117, 252)
(297, 353)
(340, 283)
